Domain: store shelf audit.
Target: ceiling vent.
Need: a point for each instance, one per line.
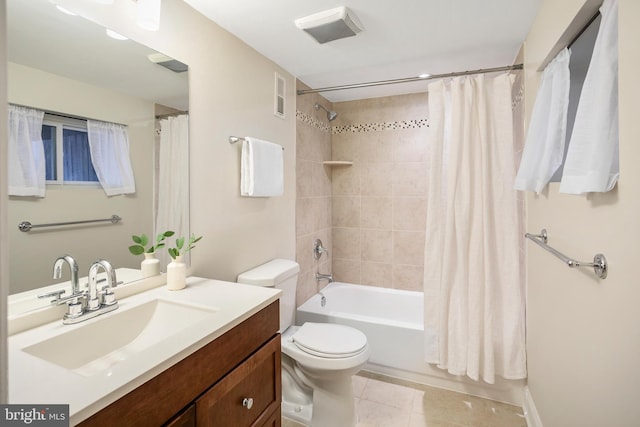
(331, 24)
(168, 62)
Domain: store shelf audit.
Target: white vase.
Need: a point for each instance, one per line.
(150, 266)
(176, 274)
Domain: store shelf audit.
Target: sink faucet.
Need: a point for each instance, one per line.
(73, 266)
(93, 300)
(75, 308)
(86, 303)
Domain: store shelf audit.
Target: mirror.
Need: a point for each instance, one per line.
(67, 64)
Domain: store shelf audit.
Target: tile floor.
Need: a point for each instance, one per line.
(386, 402)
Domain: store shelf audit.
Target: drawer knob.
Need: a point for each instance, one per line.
(247, 402)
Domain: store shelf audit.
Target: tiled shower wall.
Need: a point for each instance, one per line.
(371, 215)
(313, 192)
(379, 203)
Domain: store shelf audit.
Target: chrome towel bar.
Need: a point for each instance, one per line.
(27, 226)
(599, 263)
(234, 139)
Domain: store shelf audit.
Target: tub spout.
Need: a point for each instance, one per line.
(328, 277)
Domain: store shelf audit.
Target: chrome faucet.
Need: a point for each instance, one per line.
(84, 304)
(328, 277)
(75, 308)
(73, 266)
(93, 297)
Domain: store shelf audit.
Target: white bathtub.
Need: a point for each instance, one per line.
(393, 322)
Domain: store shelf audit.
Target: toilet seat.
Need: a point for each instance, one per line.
(329, 340)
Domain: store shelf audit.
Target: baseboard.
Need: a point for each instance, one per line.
(530, 411)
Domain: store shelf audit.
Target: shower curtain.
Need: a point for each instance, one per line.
(474, 278)
(173, 182)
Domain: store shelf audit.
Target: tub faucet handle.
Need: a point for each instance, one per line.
(318, 249)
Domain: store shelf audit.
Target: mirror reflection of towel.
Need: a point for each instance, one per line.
(262, 169)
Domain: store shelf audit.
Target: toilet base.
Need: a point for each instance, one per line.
(324, 400)
(298, 413)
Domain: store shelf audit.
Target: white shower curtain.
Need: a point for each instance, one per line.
(474, 278)
(173, 181)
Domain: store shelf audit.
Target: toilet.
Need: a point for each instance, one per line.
(318, 359)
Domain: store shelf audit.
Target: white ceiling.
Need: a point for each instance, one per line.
(401, 38)
(42, 37)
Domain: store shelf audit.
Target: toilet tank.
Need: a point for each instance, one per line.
(281, 274)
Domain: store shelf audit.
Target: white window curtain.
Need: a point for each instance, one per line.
(474, 266)
(173, 181)
(109, 145)
(592, 163)
(544, 149)
(26, 152)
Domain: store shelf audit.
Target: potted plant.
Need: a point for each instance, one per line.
(150, 266)
(177, 269)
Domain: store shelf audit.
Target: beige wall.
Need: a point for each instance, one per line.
(582, 333)
(231, 93)
(313, 202)
(379, 203)
(32, 254)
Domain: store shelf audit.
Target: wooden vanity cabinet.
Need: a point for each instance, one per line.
(234, 381)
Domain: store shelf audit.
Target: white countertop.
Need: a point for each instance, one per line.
(36, 381)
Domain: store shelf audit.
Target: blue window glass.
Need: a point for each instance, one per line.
(49, 141)
(77, 157)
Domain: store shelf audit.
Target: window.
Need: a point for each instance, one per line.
(67, 155)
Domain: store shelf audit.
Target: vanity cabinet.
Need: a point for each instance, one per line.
(233, 381)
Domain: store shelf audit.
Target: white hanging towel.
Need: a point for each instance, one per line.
(544, 148)
(262, 169)
(592, 163)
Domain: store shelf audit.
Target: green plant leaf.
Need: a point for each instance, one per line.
(136, 249)
(180, 242)
(136, 239)
(168, 233)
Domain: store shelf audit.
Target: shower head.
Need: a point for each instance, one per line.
(331, 115)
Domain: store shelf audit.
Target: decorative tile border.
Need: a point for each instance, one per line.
(308, 120)
(366, 127)
(377, 127)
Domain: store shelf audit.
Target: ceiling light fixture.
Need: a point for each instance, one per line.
(424, 75)
(149, 14)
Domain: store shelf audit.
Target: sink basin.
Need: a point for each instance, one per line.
(118, 335)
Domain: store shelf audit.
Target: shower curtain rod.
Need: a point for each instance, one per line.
(411, 79)
(174, 114)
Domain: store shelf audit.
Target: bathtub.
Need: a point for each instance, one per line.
(393, 322)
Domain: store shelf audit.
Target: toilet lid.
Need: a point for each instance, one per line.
(329, 340)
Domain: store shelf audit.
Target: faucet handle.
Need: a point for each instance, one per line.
(75, 307)
(53, 294)
(108, 296)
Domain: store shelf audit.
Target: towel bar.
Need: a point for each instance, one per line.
(234, 139)
(27, 226)
(599, 263)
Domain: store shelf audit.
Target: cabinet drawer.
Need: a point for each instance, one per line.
(256, 382)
